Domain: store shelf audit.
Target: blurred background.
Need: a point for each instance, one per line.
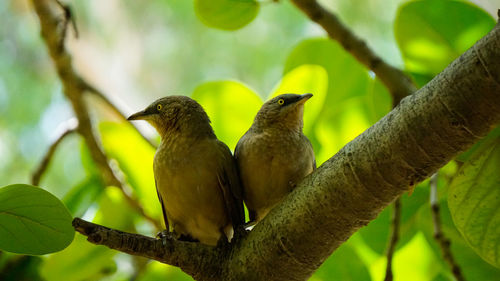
(137, 51)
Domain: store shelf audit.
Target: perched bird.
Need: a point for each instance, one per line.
(274, 154)
(195, 174)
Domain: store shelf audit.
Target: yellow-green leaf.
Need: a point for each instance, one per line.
(135, 158)
(431, 34)
(474, 201)
(226, 14)
(307, 78)
(231, 107)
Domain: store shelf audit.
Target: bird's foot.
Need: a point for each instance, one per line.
(165, 235)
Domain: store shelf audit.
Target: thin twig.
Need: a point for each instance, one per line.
(443, 241)
(73, 90)
(67, 20)
(396, 219)
(398, 83)
(42, 167)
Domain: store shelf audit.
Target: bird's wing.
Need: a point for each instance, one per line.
(230, 185)
(237, 153)
(162, 208)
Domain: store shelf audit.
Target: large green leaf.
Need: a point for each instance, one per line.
(432, 33)
(33, 221)
(349, 104)
(473, 266)
(474, 201)
(135, 158)
(231, 106)
(226, 14)
(347, 78)
(495, 133)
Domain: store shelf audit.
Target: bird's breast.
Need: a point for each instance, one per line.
(270, 166)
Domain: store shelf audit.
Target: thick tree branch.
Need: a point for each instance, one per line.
(73, 89)
(443, 241)
(423, 133)
(399, 84)
(37, 174)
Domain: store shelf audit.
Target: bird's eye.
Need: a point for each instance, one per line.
(159, 106)
(281, 101)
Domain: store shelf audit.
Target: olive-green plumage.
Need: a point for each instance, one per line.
(274, 154)
(195, 173)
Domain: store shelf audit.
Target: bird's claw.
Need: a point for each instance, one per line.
(164, 236)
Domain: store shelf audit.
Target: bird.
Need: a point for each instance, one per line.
(195, 173)
(274, 154)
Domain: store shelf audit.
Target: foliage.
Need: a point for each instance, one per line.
(33, 221)
(273, 49)
(226, 14)
(473, 201)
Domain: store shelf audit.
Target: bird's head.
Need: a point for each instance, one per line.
(283, 111)
(176, 115)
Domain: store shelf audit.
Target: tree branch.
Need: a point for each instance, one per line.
(420, 135)
(396, 218)
(91, 89)
(189, 256)
(37, 174)
(443, 242)
(73, 89)
(398, 83)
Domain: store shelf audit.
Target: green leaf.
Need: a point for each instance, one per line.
(495, 133)
(344, 264)
(307, 78)
(226, 14)
(135, 158)
(33, 221)
(428, 42)
(474, 201)
(231, 106)
(378, 101)
(347, 78)
(473, 266)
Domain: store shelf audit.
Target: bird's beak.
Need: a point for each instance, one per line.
(303, 98)
(141, 115)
